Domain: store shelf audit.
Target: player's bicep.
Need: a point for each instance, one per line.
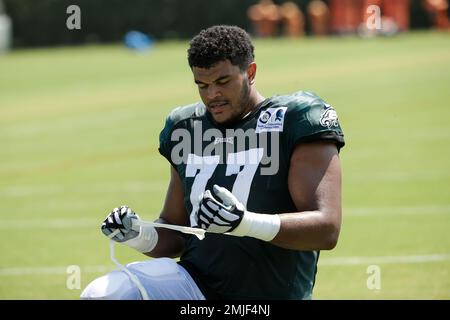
(174, 211)
(315, 179)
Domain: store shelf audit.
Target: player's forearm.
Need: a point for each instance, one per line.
(308, 230)
(170, 243)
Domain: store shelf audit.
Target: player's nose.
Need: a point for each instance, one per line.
(213, 92)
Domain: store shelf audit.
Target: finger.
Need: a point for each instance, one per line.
(218, 229)
(112, 235)
(109, 233)
(118, 237)
(204, 226)
(209, 197)
(127, 221)
(221, 222)
(117, 218)
(106, 231)
(212, 205)
(110, 220)
(212, 202)
(114, 211)
(226, 196)
(123, 210)
(206, 211)
(203, 220)
(228, 216)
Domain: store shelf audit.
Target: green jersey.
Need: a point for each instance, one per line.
(250, 158)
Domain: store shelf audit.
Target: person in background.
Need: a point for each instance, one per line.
(265, 18)
(293, 20)
(319, 17)
(345, 16)
(438, 12)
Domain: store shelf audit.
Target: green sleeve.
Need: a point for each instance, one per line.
(164, 138)
(175, 120)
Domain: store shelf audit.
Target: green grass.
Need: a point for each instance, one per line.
(79, 134)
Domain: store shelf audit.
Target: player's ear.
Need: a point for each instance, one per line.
(251, 73)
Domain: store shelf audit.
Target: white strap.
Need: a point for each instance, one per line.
(133, 277)
(136, 224)
(199, 233)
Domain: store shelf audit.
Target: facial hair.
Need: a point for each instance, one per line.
(244, 99)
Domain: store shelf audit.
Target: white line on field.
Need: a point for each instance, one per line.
(397, 210)
(25, 271)
(50, 224)
(49, 190)
(350, 261)
(342, 261)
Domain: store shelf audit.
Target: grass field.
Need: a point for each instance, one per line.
(79, 134)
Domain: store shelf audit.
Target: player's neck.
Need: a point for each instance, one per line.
(258, 98)
(255, 99)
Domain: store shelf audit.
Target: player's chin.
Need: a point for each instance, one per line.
(221, 118)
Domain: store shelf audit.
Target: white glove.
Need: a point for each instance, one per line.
(230, 216)
(143, 239)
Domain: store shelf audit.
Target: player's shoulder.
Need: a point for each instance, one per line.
(300, 101)
(178, 115)
(182, 113)
(307, 106)
(175, 120)
(304, 116)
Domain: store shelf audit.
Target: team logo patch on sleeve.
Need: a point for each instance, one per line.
(329, 118)
(271, 120)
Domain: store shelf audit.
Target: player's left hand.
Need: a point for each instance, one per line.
(219, 216)
(120, 218)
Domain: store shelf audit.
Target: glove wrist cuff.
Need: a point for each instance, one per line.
(146, 240)
(257, 225)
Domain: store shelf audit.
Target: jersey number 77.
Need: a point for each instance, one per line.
(202, 168)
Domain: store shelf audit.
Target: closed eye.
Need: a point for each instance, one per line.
(223, 82)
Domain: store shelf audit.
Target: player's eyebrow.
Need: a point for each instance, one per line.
(217, 80)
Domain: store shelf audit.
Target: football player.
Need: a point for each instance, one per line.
(261, 175)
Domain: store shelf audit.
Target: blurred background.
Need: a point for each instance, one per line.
(85, 87)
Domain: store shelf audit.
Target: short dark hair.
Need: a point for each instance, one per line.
(219, 43)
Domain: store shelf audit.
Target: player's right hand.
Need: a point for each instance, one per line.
(122, 219)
